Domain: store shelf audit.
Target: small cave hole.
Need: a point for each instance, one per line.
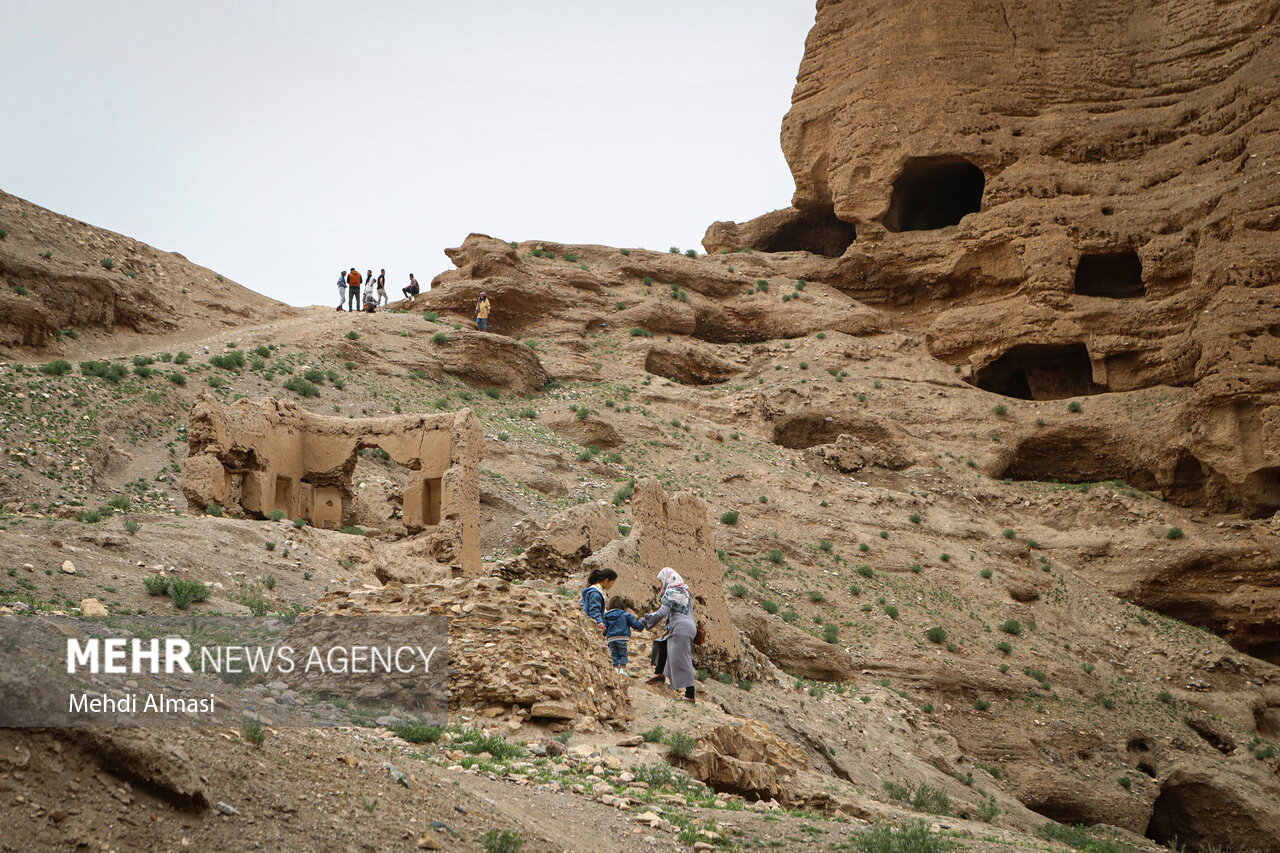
(1192, 816)
(817, 231)
(1187, 486)
(1041, 372)
(1117, 275)
(1262, 493)
(1143, 767)
(934, 192)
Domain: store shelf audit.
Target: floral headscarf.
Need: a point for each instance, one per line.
(675, 592)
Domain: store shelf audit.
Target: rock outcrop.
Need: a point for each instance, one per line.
(58, 274)
(1064, 203)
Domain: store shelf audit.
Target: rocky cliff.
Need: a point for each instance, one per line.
(1063, 201)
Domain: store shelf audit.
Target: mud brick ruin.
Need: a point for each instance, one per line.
(255, 457)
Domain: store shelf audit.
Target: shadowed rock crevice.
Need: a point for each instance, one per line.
(816, 231)
(934, 192)
(1117, 275)
(1040, 372)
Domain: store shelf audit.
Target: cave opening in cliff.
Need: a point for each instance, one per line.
(1040, 372)
(1075, 455)
(816, 231)
(1117, 275)
(1192, 816)
(1262, 492)
(934, 192)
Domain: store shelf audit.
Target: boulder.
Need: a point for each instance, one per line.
(795, 651)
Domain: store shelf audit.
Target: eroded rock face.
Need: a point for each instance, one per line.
(256, 457)
(794, 651)
(550, 669)
(1066, 202)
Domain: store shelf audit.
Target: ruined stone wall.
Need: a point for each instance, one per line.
(254, 457)
(1101, 175)
(673, 530)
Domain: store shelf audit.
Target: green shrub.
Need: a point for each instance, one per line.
(654, 735)
(252, 732)
(1000, 409)
(1173, 533)
(415, 733)
(730, 518)
(986, 573)
(270, 580)
(775, 556)
(502, 841)
(1011, 626)
(1075, 406)
(228, 361)
(981, 705)
(56, 368)
(681, 744)
(769, 606)
(276, 515)
(988, 811)
(865, 571)
(132, 527)
(915, 518)
(353, 335)
(831, 632)
(738, 591)
(215, 510)
(185, 592)
(182, 358)
(314, 375)
(301, 387)
(817, 596)
(107, 263)
(299, 523)
(105, 370)
(624, 492)
(178, 378)
(156, 584)
(936, 635)
(439, 339)
(1004, 647)
(637, 332)
(891, 611)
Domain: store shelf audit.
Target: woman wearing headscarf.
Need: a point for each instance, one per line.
(673, 651)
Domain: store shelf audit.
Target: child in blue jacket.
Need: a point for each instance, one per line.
(618, 624)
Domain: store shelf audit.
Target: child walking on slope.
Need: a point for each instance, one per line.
(618, 624)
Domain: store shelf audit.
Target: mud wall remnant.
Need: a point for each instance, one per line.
(254, 457)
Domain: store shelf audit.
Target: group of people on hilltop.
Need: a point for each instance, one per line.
(367, 292)
(672, 654)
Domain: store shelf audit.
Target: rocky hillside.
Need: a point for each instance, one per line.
(67, 287)
(970, 456)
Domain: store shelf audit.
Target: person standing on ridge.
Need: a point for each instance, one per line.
(482, 312)
(673, 651)
(342, 288)
(353, 290)
(370, 301)
(412, 290)
(382, 288)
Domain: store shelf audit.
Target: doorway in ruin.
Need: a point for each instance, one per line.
(431, 502)
(816, 231)
(283, 498)
(1188, 483)
(1117, 275)
(326, 507)
(934, 192)
(1040, 372)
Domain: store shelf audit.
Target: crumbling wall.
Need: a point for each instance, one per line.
(256, 457)
(673, 530)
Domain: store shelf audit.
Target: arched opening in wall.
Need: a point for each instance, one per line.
(1262, 493)
(816, 231)
(1040, 372)
(934, 192)
(1064, 808)
(1117, 275)
(1187, 486)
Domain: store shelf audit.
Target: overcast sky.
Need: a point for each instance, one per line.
(278, 142)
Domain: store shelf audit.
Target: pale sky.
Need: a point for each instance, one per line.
(278, 142)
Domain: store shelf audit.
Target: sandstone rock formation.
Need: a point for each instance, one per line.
(257, 457)
(58, 274)
(745, 757)
(1066, 204)
(795, 651)
(514, 652)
